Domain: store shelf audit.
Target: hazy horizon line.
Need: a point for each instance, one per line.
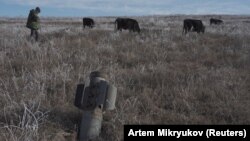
(149, 15)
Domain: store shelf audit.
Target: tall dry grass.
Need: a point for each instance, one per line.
(162, 76)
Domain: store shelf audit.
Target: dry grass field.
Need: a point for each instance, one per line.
(162, 76)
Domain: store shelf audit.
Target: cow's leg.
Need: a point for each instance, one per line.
(187, 30)
(120, 29)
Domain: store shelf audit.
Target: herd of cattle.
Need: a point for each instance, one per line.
(189, 25)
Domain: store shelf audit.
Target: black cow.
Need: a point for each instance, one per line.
(88, 22)
(127, 23)
(215, 21)
(193, 25)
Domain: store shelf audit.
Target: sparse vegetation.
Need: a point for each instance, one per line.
(162, 76)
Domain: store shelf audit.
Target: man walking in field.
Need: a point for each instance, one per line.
(33, 22)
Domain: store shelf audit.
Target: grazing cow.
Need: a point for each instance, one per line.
(215, 21)
(127, 23)
(193, 25)
(88, 22)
